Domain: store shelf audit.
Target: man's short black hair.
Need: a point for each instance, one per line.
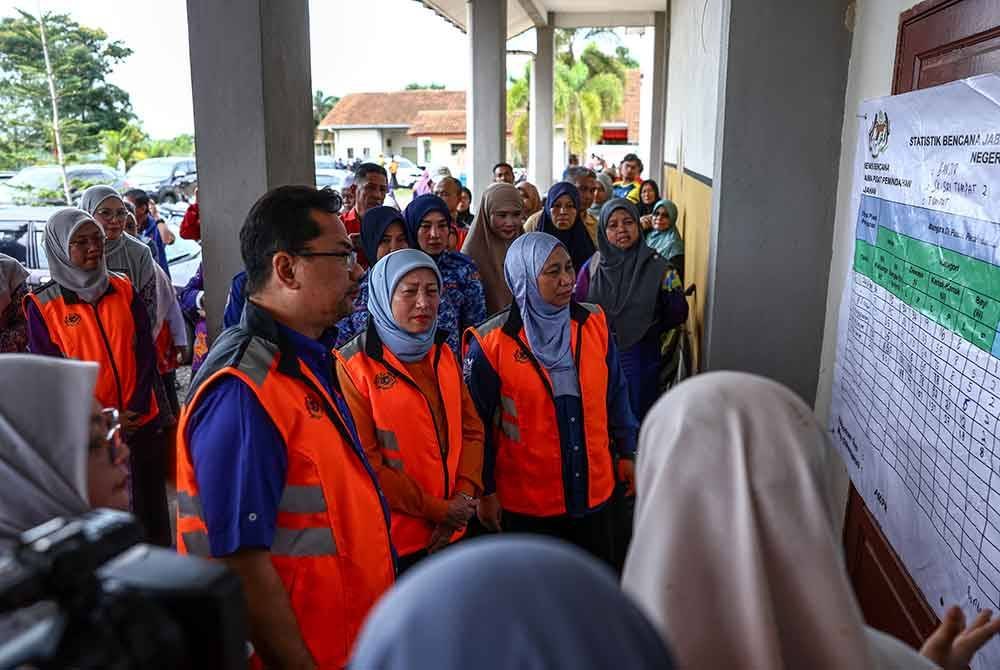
(362, 171)
(138, 196)
(281, 220)
(629, 158)
(579, 171)
(506, 165)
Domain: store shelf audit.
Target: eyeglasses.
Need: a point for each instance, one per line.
(112, 213)
(350, 257)
(112, 439)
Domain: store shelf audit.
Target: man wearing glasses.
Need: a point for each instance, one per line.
(271, 476)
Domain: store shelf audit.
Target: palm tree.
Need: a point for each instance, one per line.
(126, 146)
(322, 104)
(518, 104)
(582, 101)
(588, 89)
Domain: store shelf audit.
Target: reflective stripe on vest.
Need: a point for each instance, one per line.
(331, 546)
(104, 333)
(529, 472)
(405, 431)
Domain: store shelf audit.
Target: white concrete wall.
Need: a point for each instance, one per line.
(358, 139)
(399, 139)
(692, 88)
(873, 54)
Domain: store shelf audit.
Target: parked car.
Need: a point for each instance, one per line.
(408, 172)
(42, 185)
(169, 179)
(338, 180)
(6, 174)
(22, 235)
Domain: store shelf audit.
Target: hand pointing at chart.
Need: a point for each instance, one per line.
(953, 645)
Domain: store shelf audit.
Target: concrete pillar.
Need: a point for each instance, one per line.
(541, 126)
(486, 106)
(774, 190)
(658, 115)
(252, 89)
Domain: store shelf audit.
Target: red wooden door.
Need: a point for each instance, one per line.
(938, 41)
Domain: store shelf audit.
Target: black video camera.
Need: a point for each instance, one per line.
(86, 593)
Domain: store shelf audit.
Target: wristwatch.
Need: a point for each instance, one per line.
(467, 496)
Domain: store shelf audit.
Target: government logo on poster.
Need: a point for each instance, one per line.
(878, 135)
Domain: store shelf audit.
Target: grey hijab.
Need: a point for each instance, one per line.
(605, 182)
(43, 460)
(546, 326)
(626, 282)
(89, 285)
(505, 603)
(129, 256)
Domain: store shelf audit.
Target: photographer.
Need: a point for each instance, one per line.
(46, 465)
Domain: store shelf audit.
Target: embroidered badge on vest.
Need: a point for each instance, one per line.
(521, 356)
(312, 406)
(384, 381)
(72, 319)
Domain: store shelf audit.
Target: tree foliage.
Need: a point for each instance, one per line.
(322, 104)
(126, 147)
(588, 89)
(415, 86)
(82, 58)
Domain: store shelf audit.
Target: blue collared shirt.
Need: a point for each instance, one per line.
(240, 459)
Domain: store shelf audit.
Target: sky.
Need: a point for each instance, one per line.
(375, 45)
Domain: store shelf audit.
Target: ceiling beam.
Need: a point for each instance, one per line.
(536, 11)
(602, 19)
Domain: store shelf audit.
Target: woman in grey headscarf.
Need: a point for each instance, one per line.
(640, 292)
(548, 367)
(122, 252)
(87, 313)
(46, 467)
(602, 195)
(13, 328)
(507, 604)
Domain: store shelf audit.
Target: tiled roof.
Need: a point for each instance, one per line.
(396, 108)
(438, 122)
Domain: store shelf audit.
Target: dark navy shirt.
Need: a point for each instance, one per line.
(239, 457)
(236, 300)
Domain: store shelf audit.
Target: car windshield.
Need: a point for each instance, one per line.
(156, 168)
(37, 178)
(14, 240)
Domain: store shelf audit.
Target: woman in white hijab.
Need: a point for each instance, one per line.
(736, 553)
(46, 466)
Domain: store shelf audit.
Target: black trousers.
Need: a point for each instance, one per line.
(592, 532)
(148, 467)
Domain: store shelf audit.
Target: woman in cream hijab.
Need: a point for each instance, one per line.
(736, 553)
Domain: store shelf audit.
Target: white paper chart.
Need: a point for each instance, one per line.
(916, 397)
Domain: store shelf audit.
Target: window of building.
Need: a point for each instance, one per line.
(350, 152)
(457, 148)
(427, 151)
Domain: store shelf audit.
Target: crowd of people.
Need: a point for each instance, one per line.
(392, 383)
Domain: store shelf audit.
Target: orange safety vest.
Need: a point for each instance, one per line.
(103, 333)
(404, 426)
(529, 470)
(331, 546)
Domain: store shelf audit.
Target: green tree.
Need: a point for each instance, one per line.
(128, 145)
(582, 101)
(182, 145)
(322, 104)
(518, 98)
(587, 89)
(415, 86)
(81, 59)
